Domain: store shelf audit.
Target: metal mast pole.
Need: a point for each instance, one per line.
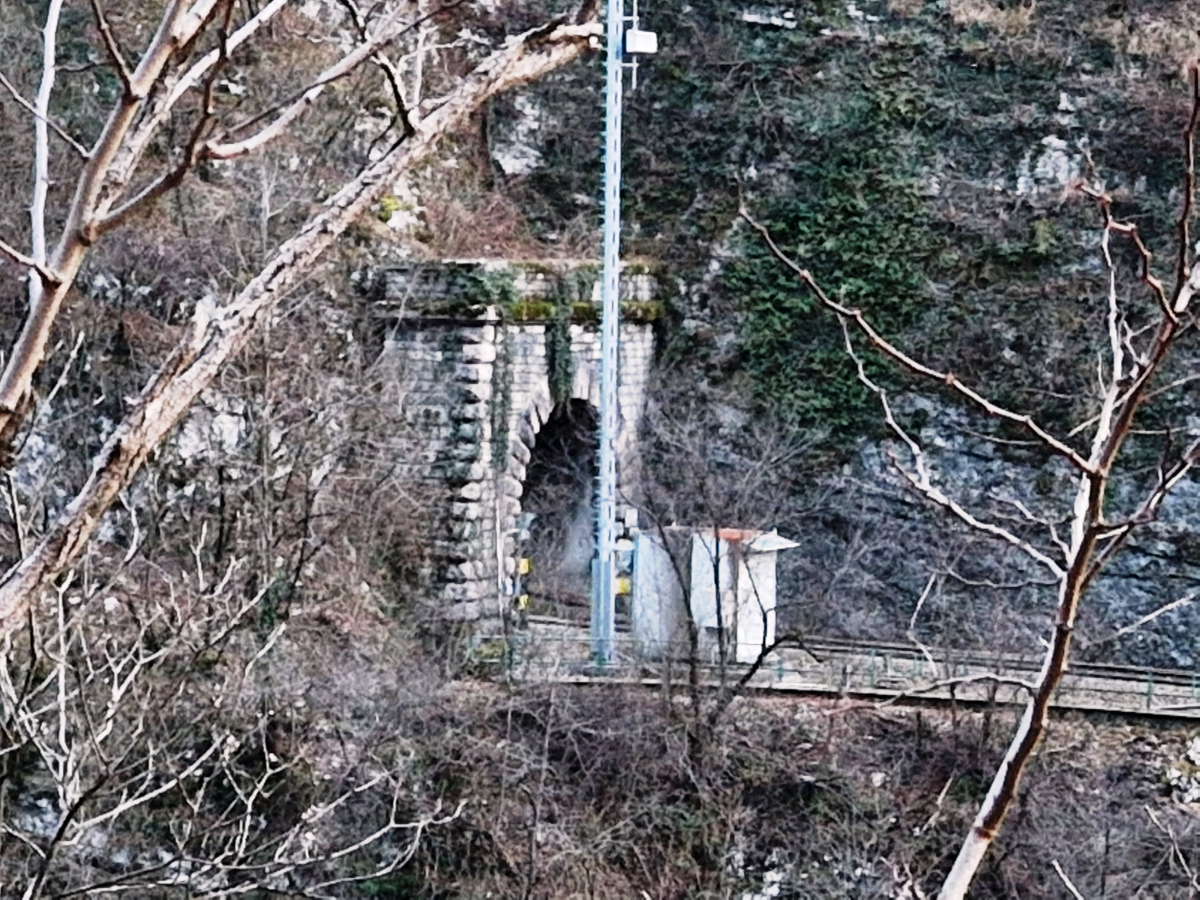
(604, 571)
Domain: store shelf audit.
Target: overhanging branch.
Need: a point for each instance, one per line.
(948, 379)
(216, 334)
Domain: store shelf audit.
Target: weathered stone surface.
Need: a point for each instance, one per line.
(466, 452)
(484, 334)
(463, 532)
(469, 412)
(451, 551)
(466, 611)
(459, 572)
(477, 392)
(479, 353)
(473, 373)
(468, 432)
(470, 590)
(471, 491)
(521, 454)
(463, 472)
(471, 512)
(526, 432)
(452, 379)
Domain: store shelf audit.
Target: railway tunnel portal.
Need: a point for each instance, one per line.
(495, 365)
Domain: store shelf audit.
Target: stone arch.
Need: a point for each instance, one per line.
(478, 390)
(533, 408)
(558, 487)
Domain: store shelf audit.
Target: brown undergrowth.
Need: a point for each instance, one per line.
(590, 793)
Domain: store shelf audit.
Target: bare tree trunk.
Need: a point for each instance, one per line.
(1094, 540)
(217, 333)
(1007, 779)
(178, 25)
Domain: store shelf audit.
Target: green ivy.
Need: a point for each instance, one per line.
(558, 355)
(501, 406)
(857, 222)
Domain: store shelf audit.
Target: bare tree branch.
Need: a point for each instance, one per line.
(945, 378)
(921, 479)
(156, 112)
(110, 45)
(54, 126)
(912, 624)
(1112, 429)
(48, 277)
(1177, 603)
(389, 31)
(41, 151)
(1182, 224)
(190, 153)
(978, 678)
(1123, 389)
(1066, 881)
(390, 72)
(218, 333)
(178, 26)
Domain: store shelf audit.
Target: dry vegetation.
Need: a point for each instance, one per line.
(1008, 19)
(593, 794)
(235, 683)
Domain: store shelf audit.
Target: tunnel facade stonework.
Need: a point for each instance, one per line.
(479, 354)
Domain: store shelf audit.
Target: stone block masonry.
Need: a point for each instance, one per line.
(475, 350)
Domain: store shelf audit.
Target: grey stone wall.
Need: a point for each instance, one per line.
(476, 387)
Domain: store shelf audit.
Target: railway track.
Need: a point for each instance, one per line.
(1114, 671)
(558, 650)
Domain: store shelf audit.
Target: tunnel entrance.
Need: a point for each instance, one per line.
(559, 491)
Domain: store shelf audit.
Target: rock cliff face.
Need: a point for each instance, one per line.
(921, 158)
(879, 564)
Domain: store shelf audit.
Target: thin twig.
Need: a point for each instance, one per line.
(54, 126)
(191, 150)
(298, 104)
(1175, 850)
(390, 72)
(49, 277)
(41, 151)
(912, 624)
(980, 678)
(114, 52)
(14, 512)
(1130, 230)
(1150, 395)
(921, 479)
(1066, 881)
(1146, 619)
(937, 807)
(1118, 533)
(160, 106)
(998, 585)
(1183, 223)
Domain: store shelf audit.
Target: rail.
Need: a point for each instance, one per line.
(558, 650)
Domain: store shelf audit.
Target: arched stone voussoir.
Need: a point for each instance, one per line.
(468, 378)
